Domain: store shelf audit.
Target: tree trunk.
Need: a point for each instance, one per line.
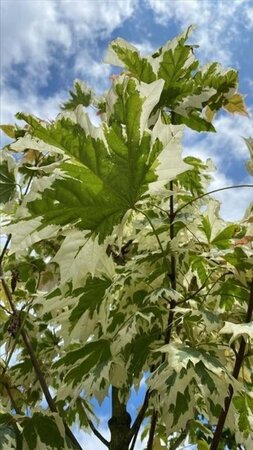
(119, 424)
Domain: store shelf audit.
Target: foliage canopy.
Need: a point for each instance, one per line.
(117, 265)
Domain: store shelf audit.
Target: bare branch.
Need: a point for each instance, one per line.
(97, 433)
(5, 249)
(236, 371)
(31, 352)
(139, 419)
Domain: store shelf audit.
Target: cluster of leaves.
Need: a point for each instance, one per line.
(120, 265)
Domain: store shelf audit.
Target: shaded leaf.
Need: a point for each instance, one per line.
(7, 183)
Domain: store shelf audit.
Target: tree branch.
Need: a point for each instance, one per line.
(152, 429)
(97, 433)
(139, 419)
(236, 371)
(5, 249)
(172, 277)
(172, 273)
(119, 423)
(28, 345)
(178, 440)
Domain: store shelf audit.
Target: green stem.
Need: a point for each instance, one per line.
(212, 192)
(156, 235)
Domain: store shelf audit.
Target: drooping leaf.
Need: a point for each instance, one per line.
(43, 428)
(236, 105)
(9, 433)
(222, 239)
(90, 298)
(7, 183)
(79, 256)
(88, 362)
(249, 163)
(203, 445)
(9, 130)
(237, 330)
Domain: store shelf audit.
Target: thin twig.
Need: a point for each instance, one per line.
(156, 235)
(29, 347)
(172, 273)
(212, 192)
(139, 419)
(178, 440)
(5, 248)
(5, 309)
(237, 367)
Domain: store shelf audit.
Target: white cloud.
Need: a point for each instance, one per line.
(218, 23)
(92, 19)
(46, 108)
(228, 151)
(98, 72)
(29, 30)
(32, 30)
(226, 145)
(38, 34)
(145, 47)
(249, 15)
(234, 202)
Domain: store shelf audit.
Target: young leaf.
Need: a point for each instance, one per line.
(236, 105)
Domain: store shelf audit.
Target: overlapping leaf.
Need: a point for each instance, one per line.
(111, 167)
(7, 182)
(187, 89)
(42, 431)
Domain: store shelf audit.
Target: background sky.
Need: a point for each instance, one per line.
(46, 44)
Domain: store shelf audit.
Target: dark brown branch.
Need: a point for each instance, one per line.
(172, 277)
(178, 440)
(152, 430)
(97, 433)
(172, 274)
(139, 419)
(27, 342)
(5, 249)
(119, 423)
(236, 371)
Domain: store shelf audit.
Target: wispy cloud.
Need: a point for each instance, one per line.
(226, 144)
(219, 23)
(45, 37)
(234, 202)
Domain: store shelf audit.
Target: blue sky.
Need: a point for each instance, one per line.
(46, 44)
